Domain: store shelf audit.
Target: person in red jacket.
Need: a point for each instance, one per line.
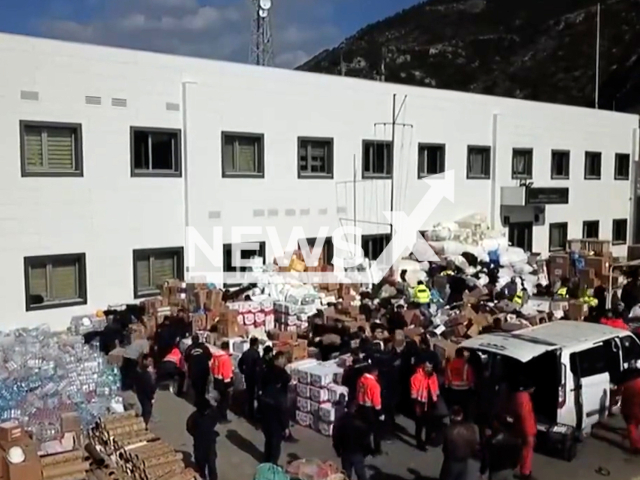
(526, 426)
(610, 321)
(630, 409)
(369, 404)
(459, 382)
(424, 393)
(222, 371)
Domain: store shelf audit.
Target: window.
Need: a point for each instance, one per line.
(590, 362)
(242, 155)
(560, 164)
(591, 229)
(51, 149)
(630, 349)
(479, 162)
(592, 165)
(326, 245)
(153, 267)
(522, 163)
(377, 161)
(155, 152)
(234, 267)
(374, 245)
(430, 159)
(315, 157)
(558, 233)
(619, 233)
(622, 166)
(54, 281)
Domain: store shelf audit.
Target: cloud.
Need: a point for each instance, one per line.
(218, 29)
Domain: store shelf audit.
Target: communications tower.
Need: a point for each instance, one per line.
(261, 51)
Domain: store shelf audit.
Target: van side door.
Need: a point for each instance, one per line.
(591, 369)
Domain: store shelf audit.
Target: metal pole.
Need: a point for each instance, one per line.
(597, 56)
(393, 147)
(355, 197)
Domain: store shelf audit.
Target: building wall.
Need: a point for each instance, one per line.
(106, 213)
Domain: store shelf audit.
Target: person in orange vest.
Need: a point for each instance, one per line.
(369, 404)
(222, 371)
(525, 424)
(459, 381)
(630, 408)
(171, 369)
(424, 393)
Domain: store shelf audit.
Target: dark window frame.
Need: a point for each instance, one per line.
(484, 176)
(176, 173)
(586, 165)
(262, 251)
(80, 258)
(564, 225)
(139, 253)
(374, 236)
(590, 362)
(330, 157)
(377, 176)
(77, 148)
(328, 249)
(561, 177)
(528, 175)
(625, 222)
(261, 159)
(585, 223)
(627, 157)
(424, 161)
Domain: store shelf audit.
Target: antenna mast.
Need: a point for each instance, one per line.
(261, 51)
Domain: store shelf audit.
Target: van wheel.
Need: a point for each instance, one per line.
(571, 451)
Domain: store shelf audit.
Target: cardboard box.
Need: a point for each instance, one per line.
(70, 422)
(445, 349)
(10, 432)
(228, 324)
(30, 469)
(577, 310)
(558, 266)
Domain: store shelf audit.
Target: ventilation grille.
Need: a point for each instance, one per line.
(272, 212)
(342, 209)
(258, 213)
(305, 211)
(290, 212)
(119, 102)
(29, 95)
(214, 214)
(93, 100)
(323, 211)
(173, 107)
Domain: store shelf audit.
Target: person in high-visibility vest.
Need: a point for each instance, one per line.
(172, 369)
(424, 393)
(589, 300)
(369, 404)
(563, 291)
(222, 371)
(459, 382)
(422, 296)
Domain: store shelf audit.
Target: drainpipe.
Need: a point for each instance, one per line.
(494, 169)
(185, 163)
(632, 236)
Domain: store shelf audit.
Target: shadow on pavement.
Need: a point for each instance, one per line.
(244, 444)
(377, 474)
(187, 458)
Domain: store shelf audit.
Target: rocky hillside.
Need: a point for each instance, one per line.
(534, 49)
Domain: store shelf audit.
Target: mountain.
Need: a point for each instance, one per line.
(541, 50)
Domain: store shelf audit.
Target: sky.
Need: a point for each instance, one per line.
(218, 29)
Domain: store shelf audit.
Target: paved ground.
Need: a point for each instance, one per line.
(240, 447)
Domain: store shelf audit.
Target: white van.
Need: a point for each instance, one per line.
(571, 364)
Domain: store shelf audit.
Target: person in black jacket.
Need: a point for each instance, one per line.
(145, 387)
(249, 365)
(198, 357)
(500, 455)
(274, 412)
(352, 374)
(352, 443)
(201, 425)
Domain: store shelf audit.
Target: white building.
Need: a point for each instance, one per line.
(86, 208)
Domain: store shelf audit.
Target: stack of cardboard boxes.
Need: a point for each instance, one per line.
(13, 435)
(597, 258)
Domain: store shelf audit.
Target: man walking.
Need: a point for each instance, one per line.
(198, 357)
(145, 387)
(222, 370)
(201, 425)
(461, 442)
(274, 412)
(249, 367)
(352, 443)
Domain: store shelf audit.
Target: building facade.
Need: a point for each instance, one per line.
(109, 154)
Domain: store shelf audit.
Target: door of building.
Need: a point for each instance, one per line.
(521, 235)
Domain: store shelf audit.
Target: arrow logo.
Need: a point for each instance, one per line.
(407, 235)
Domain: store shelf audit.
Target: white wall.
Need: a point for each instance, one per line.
(107, 214)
